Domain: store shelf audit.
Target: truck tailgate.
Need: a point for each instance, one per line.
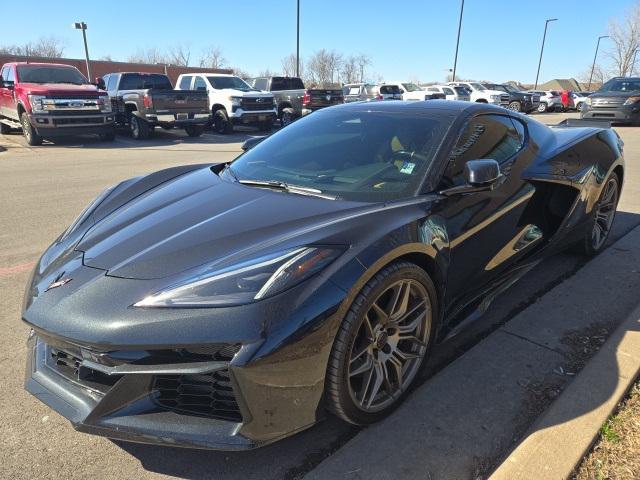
(321, 97)
(179, 101)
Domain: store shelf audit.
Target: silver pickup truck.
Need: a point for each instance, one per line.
(142, 101)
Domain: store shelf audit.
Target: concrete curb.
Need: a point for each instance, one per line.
(553, 447)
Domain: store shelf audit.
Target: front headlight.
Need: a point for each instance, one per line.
(632, 100)
(587, 100)
(236, 101)
(246, 282)
(36, 102)
(104, 103)
(495, 97)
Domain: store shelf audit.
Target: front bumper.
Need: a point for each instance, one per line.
(622, 114)
(61, 125)
(241, 117)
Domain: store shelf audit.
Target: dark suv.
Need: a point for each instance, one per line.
(525, 102)
(618, 101)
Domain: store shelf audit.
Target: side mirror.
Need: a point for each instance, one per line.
(252, 142)
(480, 175)
(100, 83)
(6, 84)
(401, 91)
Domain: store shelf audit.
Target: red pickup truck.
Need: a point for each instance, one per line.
(48, 100)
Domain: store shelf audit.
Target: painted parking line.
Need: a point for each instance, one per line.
(4, 271)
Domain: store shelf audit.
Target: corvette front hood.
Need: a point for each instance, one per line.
(196, 219)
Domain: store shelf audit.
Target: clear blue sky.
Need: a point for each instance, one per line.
(410, 39)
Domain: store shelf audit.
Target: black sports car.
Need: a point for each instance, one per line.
(228, 306)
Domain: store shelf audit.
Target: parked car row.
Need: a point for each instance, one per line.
(48, 100)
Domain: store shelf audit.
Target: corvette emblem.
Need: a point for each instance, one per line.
(58, 283)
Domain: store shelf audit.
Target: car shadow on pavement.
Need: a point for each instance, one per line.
(293, 457)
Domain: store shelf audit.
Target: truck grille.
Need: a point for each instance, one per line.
(257, 104)
(504, 99)
(607, 102)
(207, 395)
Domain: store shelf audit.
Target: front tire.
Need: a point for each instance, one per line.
(602, 218)
(30, 134)
(542, 108)
(286, 117)
(515, 106)
(140, 130)
(381, 344)
(221, 122)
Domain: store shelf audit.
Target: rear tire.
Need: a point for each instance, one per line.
(286, 117)
(382, 344)
(194, 130)
(602, 218)
(140, 129)
(30, 134)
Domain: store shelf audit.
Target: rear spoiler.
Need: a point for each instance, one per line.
(579, 122)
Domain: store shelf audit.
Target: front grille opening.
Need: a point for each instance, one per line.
(70, 366)
(207, 395)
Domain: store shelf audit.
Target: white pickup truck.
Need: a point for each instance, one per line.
(481, 94)
(232, 101)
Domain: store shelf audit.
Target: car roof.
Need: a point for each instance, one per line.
(40, 64)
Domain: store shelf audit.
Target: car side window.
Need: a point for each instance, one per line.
(111, 82)
(185, 82)
(11, 75)
(485, 136)
(447, 91)
(3, 72)
(199, 84)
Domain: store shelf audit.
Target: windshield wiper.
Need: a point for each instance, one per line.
(287, 187)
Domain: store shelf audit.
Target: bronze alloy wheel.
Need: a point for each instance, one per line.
(390, 345)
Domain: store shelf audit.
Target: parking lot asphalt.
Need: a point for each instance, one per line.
(43, 189)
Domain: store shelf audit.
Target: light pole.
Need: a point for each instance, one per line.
(298, 41)
(455, 59)
(594, 60)
(544, 37)
(83, 26)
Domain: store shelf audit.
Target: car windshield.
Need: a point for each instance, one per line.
(235, 83)
(496, 86)
(389, 89)
(41, 74)
(411, 87)
(461, 90)
(367, 156)
(477, 86)
(511, 89)
(621, 85)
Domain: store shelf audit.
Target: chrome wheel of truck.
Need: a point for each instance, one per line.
(30, 134)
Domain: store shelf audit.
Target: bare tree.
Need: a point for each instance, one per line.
(213, 58)
(323, 68)
(240, 72)
(288, 64)
(179, 55)
(351, 70)
(363, 62)
(150, 56)
(600, 75)
(50, 47)
(625, 36)
(267, 72)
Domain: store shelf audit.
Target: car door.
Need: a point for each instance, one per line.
(8, 107)
(485, 227)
